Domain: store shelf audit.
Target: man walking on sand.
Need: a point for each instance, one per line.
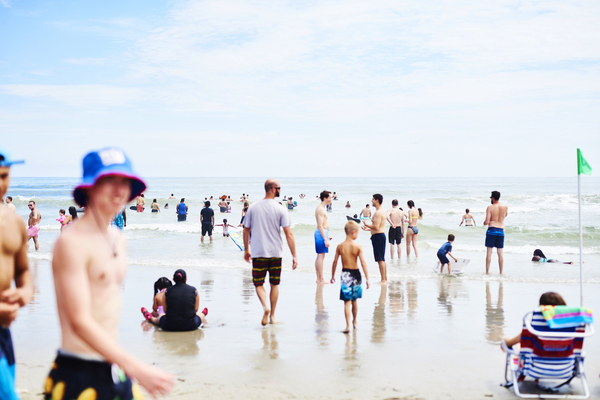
(264, 221)
(322, 234)
(89, 264)
(377, 236)
(494, 237)
(396, 219)
(33, 224)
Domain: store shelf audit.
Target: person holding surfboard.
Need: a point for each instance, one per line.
(444, 251)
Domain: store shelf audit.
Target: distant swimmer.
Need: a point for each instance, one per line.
(335, 196)
(302, 195)
(140, 203)
(353, 218)
(539, 256)
(10, 205)
(322, 234)
(222, 206)
(226, 227)
(154, 206)
(468, 219)
(396, 219)
(329, 207)
(366, 212)
(494, 237)
(412, 231)
(243, 198)
(291, 204)
(211, 198)
(244, 211)
(377, 229)
(207, 221)
(182, 210)
(229, 207)
(33, 224)
(171, 196)
(347, 204)
(166, 207)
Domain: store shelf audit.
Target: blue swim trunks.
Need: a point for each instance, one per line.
(494, 237)
(7, 366)
(320, 242)
(351, 288)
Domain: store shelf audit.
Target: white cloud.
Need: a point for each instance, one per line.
(5, 3)
(98, 61)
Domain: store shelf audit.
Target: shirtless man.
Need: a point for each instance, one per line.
(10, 205)
(366, 212)
(33, 224)
(494, 237)
(396, 219)
(89, 264)
(13, 266)
(171, 196)
(322, 234)
(377, 236)
(141, 202)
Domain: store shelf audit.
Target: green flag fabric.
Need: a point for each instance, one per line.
(582, 166)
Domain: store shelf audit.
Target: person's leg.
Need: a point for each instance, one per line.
(37, 244)
(354, 313)
(273, 297)
(500, 259)
(202, 236)
(262, 296)
(449, 267)
(392, 251)
(210, 237)
(488, 259)
(399, 249)
(319, 267)
(383, 272)
(409, 236)
(414, 242)
(347, 311)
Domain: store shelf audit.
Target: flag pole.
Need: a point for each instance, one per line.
(580, 242)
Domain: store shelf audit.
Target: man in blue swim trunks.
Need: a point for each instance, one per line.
(13, 266)
(494, 237)
(377, 229)
(322, 233)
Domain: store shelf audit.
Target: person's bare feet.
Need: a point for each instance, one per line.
(273, 321)
(383, 282)
(354, 324)
(347, 330)
(265, 319)
(323, 282)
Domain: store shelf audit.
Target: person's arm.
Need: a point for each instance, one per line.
(455, 259)
(186, 209)
(373, 226)
(473, 219)
(155, 304)
(510, 342)
(124, 218)
(213, 219)
(334, 265)
(403, 221)
(488, 216)
(389, 219)
(292, 245)
(363, 263)
(321, 229)
(197, 305)
(247, 255)
(462, 220)
(71, 280)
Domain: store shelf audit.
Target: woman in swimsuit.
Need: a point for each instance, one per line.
(412, 231)
(154, 206)
(467, 219)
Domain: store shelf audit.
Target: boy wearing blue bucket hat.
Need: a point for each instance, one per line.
(13, 266)
(89, 264)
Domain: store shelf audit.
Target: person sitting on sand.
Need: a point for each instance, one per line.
(159, 301)
(539, 256)
(547, 299)
(351, 289)
(444, 251)
(181, 306)
(468, 219)
(225, 226)
(154, 206)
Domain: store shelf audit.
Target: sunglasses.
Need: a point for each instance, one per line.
(278, 187)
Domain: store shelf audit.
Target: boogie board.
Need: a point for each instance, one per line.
(457, 267)
(236, 239)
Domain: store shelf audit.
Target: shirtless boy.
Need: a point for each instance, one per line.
(396, 219)
(494, 237)
(377, 236)
(33, 224)
(89, 264)
(13, 266)
(351, 289)
(322, 233)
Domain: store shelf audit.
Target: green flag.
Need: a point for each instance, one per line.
(582, 166)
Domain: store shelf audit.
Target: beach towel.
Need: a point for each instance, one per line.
(566, 317)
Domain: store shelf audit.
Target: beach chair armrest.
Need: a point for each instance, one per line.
(589, 330)
(508, 350)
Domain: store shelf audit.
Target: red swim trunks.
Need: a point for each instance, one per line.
(140, 208)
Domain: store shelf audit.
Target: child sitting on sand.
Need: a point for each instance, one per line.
(159, 302)
(225, 226)
(351, 289)
(445, 250)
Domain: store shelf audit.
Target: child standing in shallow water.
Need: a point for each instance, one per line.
(445, 251)
(351, 279)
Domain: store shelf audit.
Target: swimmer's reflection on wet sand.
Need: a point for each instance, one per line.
(412, 298)
(35, 298)
(449, 290)
(248, 291)
(494, 316)
(321, 317)
(270, 344)
(378, 332)
(176, 343)
(206, 288)
(351, 354)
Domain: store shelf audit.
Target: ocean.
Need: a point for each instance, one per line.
(542, 213)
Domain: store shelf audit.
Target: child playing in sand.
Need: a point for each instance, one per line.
(159, 302)
(445, 250)
(225, 226)
(351, 279)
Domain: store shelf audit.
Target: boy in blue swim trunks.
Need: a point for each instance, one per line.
(13, 266)
(494, 237)
(351, 289)
(444, 251)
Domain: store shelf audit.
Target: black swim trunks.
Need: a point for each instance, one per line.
(207, 229)
(181, 217)
(75, 378)
(378, 241)
(260, 266)
(395, 235)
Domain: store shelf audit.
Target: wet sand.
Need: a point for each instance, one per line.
(434, 338)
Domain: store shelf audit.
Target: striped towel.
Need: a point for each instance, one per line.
(566, 317)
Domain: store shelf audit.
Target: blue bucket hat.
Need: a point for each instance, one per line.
(110, 161)
(5, 160)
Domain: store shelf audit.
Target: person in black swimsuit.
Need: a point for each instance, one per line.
(182, 306)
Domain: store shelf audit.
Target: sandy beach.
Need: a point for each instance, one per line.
(435, 338)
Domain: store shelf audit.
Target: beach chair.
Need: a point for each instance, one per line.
(551, 352)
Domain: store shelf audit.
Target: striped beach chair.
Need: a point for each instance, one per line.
(552, 355)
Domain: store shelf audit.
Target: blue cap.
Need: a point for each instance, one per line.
(110, 161)
(5, 160)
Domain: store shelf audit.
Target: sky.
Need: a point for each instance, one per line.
(349, 88)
